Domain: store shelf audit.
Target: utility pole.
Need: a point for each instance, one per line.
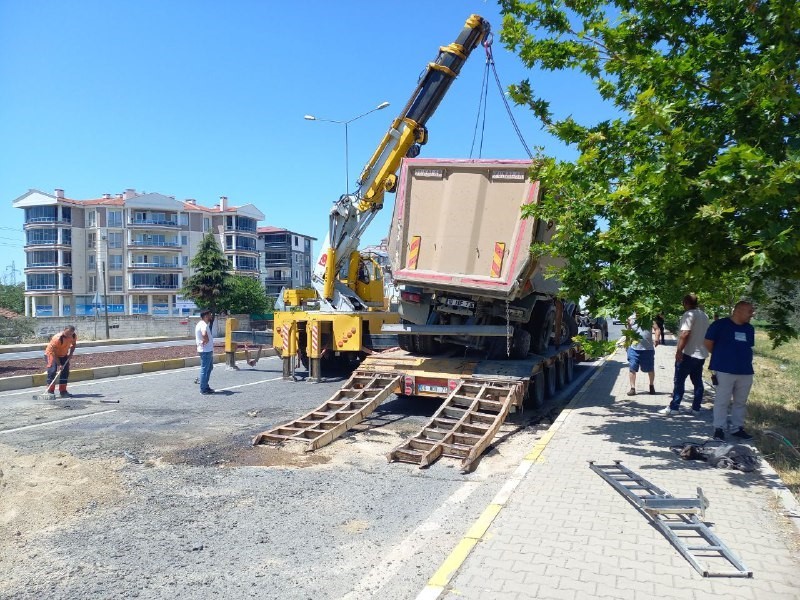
(105, 286)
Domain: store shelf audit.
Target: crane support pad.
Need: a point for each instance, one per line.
(350, 405)
(464, 425)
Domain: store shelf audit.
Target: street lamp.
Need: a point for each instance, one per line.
(380, 106)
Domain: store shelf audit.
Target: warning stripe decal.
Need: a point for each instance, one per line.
(413, 253)
(497, 260)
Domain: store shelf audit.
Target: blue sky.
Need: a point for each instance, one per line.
(202, 99)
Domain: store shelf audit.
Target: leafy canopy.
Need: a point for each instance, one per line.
(697, 182)
(245, 295)
(208, 285)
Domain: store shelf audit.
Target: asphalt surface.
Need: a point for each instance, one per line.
(196, 511)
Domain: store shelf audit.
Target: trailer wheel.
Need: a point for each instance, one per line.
(428, 345)
(560, 367)
(535, 395)
(569, 368)
(550, 380)
(520, 343)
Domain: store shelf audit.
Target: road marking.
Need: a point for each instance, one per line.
(102, 412)
(233, 387)
(395, 559)
(444, 575)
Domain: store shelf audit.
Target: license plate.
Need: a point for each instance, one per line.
(433, 389)
(468, 304)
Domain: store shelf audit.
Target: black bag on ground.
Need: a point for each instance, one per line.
(721, 456)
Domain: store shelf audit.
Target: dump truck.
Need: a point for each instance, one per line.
(460, 253)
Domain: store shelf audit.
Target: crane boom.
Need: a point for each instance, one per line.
(352, 213)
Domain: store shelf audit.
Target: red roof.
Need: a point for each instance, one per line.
(271, 229)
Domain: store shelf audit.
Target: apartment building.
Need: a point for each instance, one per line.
(285, 259)
(129, 252)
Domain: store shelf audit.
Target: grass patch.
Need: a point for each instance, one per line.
(774, 404)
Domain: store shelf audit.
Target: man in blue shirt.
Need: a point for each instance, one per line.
(730, 342)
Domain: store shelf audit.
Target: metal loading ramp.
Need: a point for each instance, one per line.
(464, 425)
(350, 405)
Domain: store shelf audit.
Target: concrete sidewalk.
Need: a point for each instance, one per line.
(560, 531)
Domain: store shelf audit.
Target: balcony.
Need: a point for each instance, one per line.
(155, 265)
(153, 223)
(277, 281)
(40, 221)
(155, 244)
(153, 286)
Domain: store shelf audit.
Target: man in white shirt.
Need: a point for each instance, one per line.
(690, 355)
(205, 348)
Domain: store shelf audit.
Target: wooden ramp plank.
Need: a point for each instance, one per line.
(338, 414)
(464, 425)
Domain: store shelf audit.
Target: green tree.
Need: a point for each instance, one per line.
(208, 285)
(695, 185)
(245, 295)
(12, 297)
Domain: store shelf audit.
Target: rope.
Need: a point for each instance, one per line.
(482, 103)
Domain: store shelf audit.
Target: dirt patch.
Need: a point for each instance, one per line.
(243, 455)
(42, 490)
(32, 366)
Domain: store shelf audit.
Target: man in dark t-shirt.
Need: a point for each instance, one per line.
(730, 342)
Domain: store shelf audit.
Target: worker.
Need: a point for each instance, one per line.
(58, 354)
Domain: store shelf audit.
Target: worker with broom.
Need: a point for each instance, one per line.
(58, 354)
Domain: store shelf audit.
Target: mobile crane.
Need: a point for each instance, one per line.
(342, 315)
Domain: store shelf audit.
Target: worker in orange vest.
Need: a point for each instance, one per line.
(58, 352)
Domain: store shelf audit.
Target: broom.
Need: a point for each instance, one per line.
(46, 396)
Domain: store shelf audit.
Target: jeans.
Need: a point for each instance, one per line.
(63, 378)
(206, 366)
(732, 392)
(693, 367)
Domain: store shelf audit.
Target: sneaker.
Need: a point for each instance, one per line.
(208, 391)
(719, 434)
(65, 395)
(696, 412)
(631, 392)
(742, 434)
(667, 411)
(652, 390)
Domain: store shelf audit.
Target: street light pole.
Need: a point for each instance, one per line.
(380, 106)
(105, 288)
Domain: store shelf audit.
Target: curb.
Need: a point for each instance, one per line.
(19, 382)
(449, 568)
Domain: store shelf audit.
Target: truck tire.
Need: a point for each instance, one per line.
(550, 381)
(520, 343)
(541, 326)
(428, 345)
(405, 342)
(569, 327)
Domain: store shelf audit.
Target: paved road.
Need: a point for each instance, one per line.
(162, 495)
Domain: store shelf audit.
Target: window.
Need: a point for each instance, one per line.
(115, 283)
(246, 263)
(91, 240)
(66, 214)
(154, 280)
(296, 241)
(67, 259)
(66, 237)
(184, 240)
(43, 281)
(206, 224)
(91, 262)
(66, 281)
(91, 283)
(91, 220)
(184, 219)
(115, 262)
(42, 236)
(185, 261)
(229, 242)
(41, 214)
(307, 244)
(43, 258)
(115, 238)
(114, 218)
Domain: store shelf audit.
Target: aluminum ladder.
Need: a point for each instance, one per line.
(350, 405)
(464, 425)
(677, 519)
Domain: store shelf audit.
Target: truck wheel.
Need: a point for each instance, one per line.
(427, 344)
(520, 343)
(535, 395)
(405, 342)
(541, 326)
(569, 328)
(569, 368)
(550, 380)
